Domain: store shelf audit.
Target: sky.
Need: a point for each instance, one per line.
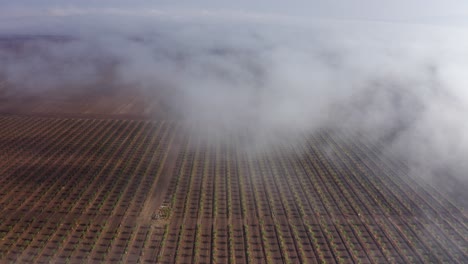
(423, 11)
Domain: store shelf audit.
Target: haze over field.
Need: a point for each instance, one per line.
(399, 77)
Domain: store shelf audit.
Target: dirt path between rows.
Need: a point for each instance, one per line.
(160, 186)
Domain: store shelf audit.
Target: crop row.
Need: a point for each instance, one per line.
(77, 190)
(71, 185)
(326, 200)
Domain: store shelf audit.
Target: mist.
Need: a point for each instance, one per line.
(265, 78)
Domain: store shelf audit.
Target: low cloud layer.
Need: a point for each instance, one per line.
(403, 85)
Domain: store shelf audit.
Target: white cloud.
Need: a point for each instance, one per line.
(233, 68)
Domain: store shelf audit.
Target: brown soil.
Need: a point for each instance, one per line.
(109, 185)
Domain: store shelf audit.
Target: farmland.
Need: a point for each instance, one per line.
(109, 188)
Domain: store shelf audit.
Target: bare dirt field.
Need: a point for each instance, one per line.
(88, 103)
(80, 189)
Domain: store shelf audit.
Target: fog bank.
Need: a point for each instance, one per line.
(259, 77)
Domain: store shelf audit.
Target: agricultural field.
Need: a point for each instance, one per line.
(88, 189)
(113, 103)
